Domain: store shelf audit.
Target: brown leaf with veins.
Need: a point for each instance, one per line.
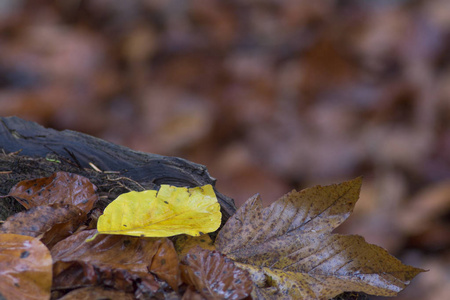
(118, 260)
(214, 276)
(50, 223)
(61, 187)
(291, 253)
(25, 268)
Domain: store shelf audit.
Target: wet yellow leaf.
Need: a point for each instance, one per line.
(167, 212)
(290, 252)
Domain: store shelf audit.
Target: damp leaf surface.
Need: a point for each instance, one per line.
(114, 260)
(25, 268)
(59, 188)
(167, 212)
(291, 252)
(214, 276)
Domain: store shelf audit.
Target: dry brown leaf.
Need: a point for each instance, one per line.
(214, 276)
(25, 268)
(61, 187)
(290, 251)
(51, 223)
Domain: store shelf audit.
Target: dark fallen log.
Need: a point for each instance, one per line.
(34, 151)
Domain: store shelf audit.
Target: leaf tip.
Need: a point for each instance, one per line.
(91, 238)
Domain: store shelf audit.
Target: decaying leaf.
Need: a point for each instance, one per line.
(165, 264)
(214, 276)
(25, 268)
(184, 243)
(167, 212)
(61, 187)
(96, 293)
(50, 223)
(74, 274)
(113, 257)
(290, 252)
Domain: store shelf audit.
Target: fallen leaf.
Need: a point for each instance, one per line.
(50, 223)
(165, 264)
(113, 256)
(96, 293)
(192, 294)
(25, 268)
(184, 243)
(290, 252)
(61, 187)
(75, 274)
(214, 276)
(167, 212)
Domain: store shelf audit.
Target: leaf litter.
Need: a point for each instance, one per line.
(284, 251)
(291, 253)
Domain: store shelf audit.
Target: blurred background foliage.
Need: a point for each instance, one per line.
(269, 95)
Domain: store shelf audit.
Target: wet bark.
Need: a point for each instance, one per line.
(28, 150)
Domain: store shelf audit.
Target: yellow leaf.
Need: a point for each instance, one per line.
(167, 212)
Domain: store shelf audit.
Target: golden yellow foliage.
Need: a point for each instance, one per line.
(167, 212)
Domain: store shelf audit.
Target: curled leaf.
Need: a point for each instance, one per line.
(167, 212)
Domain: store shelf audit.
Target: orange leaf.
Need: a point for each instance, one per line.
(25, 268)
(165, 264)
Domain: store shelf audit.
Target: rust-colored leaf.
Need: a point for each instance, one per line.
(118, 260)
(25, 268)
(61, 187)
(50, 223)
(75, 274)
(165, 264)
(290, 251)
(214, 276)
(96, 293)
